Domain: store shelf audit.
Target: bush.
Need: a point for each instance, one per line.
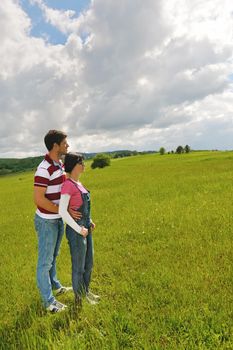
(100, 161)
(187, 149)
(179, 150)
(162, 151)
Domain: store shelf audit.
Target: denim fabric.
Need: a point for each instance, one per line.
(49, 232)
(81, 249)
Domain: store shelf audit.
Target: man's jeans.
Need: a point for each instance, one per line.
(50, 232)
(81, 250)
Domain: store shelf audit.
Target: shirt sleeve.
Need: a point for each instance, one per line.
(67, 188)
(41, 178)
(63, 206)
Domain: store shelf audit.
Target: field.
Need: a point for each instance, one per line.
(163, 259)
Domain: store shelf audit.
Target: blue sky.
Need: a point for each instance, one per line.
(42, 29)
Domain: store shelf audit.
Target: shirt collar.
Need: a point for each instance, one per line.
(51, 161)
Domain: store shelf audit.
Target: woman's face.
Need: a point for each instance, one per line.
(78, 169)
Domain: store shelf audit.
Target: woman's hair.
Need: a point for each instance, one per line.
(71, 159)
(52, 137)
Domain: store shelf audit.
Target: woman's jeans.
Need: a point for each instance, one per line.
(50, 232)
(81, 250)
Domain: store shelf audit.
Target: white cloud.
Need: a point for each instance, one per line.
(132, 75)
(65, 21)
(199, 19)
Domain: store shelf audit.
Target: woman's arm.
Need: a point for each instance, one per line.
(63, 211)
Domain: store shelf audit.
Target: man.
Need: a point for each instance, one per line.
(48, 223)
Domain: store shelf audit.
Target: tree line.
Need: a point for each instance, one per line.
(100, 160)
(16, 165)
(179, 150)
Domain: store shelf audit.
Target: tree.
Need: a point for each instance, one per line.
(100, 161)
(162, 150)
(179, 150)
(187, 149)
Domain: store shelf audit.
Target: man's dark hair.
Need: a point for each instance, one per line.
(52, 137)
(71, 159)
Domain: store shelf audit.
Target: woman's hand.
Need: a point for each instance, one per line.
(92, 226)
(84, 232)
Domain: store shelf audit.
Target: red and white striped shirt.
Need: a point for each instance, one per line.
(49, 175)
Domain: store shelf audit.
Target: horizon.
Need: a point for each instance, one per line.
(123, 150)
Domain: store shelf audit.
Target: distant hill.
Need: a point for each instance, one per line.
(14, 165)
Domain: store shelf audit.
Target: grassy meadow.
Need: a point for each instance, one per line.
(163, 259)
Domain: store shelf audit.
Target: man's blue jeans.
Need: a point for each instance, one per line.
(81, 250)
(50, 232)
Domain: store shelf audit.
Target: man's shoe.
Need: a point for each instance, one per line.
(93, 296)
(91, 301)
(63, 290)
(56, 307)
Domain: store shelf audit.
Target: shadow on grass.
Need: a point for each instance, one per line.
(35, 328)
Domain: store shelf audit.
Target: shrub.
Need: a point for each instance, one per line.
(179, 150)
(162, 151)
(100, 161)
(187, 149)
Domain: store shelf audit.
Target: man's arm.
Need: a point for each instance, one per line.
(43, 202)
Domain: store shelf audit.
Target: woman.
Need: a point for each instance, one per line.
(79, 233)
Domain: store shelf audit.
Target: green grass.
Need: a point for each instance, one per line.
(163, 259)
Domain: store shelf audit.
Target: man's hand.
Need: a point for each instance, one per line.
(76, 215)
(84, 232)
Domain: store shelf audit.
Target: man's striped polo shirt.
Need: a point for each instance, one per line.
(49, 175)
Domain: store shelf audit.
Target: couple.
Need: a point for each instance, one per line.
(60, 197)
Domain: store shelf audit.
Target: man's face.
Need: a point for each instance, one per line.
(63, 147)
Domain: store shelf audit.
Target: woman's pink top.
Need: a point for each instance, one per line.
(70, 187)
